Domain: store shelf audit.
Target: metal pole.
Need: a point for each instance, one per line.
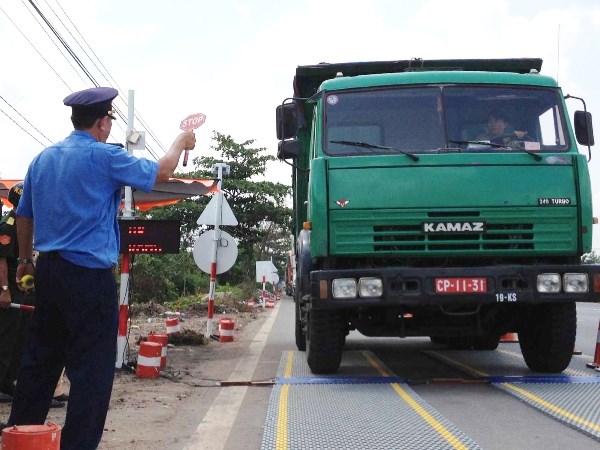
(216, 239)
(124, 287)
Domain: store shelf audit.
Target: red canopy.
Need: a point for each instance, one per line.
(167, 193)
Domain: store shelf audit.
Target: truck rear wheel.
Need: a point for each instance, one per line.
(547, 337)
(325, 341)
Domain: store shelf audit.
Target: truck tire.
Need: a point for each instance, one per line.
(300, 334)
(547, 337)
(487, 342)
(325, 341)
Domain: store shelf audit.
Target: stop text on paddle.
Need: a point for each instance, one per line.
(190, 123)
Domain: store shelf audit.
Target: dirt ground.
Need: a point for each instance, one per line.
(162, 413)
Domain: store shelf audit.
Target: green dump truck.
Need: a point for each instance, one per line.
(415, 217)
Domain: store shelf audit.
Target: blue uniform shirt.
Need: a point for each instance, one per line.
(72, 191)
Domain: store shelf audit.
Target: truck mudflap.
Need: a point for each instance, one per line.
(458, 285)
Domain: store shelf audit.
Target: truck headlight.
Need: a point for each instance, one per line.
(344, 288)
(370, 287)
(548, 283)
(575, 282)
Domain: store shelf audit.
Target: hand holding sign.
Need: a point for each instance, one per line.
(190, 123)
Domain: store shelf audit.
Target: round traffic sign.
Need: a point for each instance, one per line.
(227, 251)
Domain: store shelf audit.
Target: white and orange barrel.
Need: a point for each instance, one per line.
(173, 326)
(163, 340)
(148, 363)
(226, 326)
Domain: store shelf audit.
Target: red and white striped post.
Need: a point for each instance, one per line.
(211, 297)
(220, 168)
(20, 306)
(264, 296)
(127, 214)
(123, 312)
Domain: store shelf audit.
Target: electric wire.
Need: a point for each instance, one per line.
(64, 43)
(34, 47)
(25, 119)
(106, 74)
(17, 124)
(80, 63)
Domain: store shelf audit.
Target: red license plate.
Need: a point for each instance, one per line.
(460, 285)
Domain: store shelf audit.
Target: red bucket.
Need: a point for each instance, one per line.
(148, 363)
(163, 340)
(31, 437)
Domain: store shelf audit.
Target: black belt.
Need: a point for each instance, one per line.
(49, 255)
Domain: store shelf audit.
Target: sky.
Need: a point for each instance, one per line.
(234, 60)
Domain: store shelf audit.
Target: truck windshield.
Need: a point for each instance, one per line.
(444, 118)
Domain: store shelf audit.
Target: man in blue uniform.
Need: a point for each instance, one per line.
(70, 201)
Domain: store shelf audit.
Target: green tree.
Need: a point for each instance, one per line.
(264, 222)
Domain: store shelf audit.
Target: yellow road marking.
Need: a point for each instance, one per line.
(281, 440)
(553, 407)
(453, 440)
(288, 365)
(459, 364)
(534, 398)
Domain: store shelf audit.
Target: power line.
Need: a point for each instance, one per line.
(23, 117)
(15, 122)
(78, 62)
(37, 51)
(65, 45)
(108, 75)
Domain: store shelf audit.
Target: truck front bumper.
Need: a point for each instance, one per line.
(457, 285)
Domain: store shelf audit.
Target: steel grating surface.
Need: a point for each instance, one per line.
(505, 361)
(572, 403)
(351, 415)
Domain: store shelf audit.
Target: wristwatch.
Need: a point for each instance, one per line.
(5, 288)
(24, 260)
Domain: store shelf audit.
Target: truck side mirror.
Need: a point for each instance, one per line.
(287, 121)
(288, 149)
(584, 131)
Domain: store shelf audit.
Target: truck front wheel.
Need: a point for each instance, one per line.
(547, 336)
(325, 341)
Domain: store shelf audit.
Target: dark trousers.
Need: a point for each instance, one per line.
(74, 326)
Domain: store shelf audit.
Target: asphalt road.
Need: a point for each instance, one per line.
(490, 417)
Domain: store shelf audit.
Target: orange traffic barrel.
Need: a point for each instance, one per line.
(163, 340)
(226, 326)
(173, 326)
(31, 437)
(148, 363)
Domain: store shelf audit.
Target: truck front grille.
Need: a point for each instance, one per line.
(400, 233)
(410, 238)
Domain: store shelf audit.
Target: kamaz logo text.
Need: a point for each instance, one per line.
(453, 227)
